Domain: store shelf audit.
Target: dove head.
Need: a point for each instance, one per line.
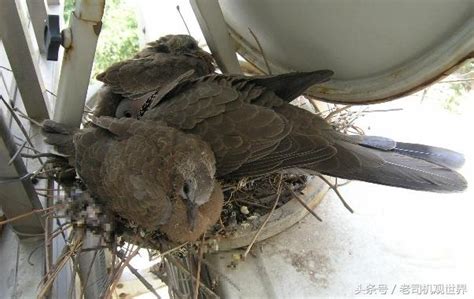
(193, 176)
(179, 44)
(175, 44)
(198, 197)
(129, 108)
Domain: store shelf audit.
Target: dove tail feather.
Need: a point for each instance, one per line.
(291, 85)
(394, 169)
(437, 155)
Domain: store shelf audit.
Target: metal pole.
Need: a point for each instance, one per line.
(213, 26)
(80, 41)
(18, 196)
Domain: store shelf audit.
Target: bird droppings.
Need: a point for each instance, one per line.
(236, 259)
(244, 210)
(317, 266)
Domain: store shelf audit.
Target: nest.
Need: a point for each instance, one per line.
(245, 201)
(248, 199)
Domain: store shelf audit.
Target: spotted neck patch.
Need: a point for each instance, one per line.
(147, 104)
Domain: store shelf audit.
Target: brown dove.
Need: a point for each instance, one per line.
(148, 173)
(127, 83)
(253, 130)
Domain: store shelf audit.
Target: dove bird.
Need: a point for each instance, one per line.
(253, 130)
(155, 176)
(127, 83)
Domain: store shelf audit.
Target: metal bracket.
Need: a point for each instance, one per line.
(52, 37)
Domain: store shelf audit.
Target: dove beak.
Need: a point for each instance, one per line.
(192, 214)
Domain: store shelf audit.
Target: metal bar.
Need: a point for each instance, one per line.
(85, 26)
(78, 57)
(93, 271)
(17, 196)
(213, 26)
(38, 14)
(17, 43)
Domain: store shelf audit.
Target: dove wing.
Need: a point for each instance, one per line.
(114, 158)
(134, 78)
(247, 137)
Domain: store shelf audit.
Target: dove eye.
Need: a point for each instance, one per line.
(127, 114)
(186, 187)
(186, 190)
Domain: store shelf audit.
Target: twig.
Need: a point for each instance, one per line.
(5, 68)
(44, 155)
(88, 109)
(139, 276)
(186, 271)
(252, 203)
(424, 95)
(303, 203)
(33, 252)
(250, 69)
(198, 271)
(261, 51)
(357, 115)
(320, 113)
(20, 125)
(49, 225)
(8, 180)
(51, 93)
(173, 249)
(48, 189)
(343, 183)
(78, 235)
(86, 279)
(119, 271)
(334, 188)
(94, 248)
(59, 231)
(456, 81)
(312, 102)
(114, 258)
(338, 110)
(18, 151)
(129, 247)
(27, 214)
(182, 18)
(50, 277)
(44, 195)
(266, 219)
(28, 147)
(222, 227)
(46, 243)
(383, 110)
(357, 130)
(23, 115)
